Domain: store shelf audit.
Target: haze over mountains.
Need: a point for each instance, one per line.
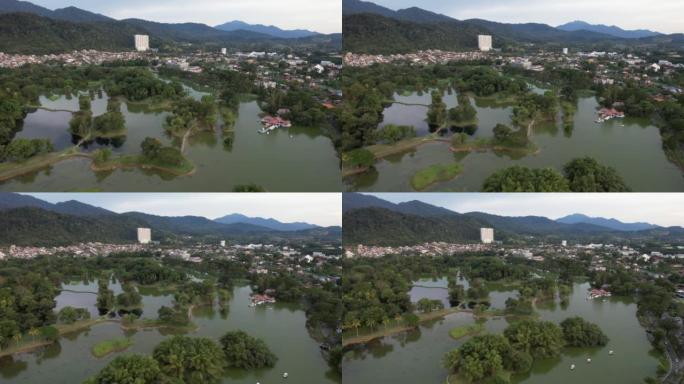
(26, 220)
(373, 221)
(28, 28)
(370, 28)
(271, 30)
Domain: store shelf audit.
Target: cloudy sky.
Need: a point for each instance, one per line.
(662, 15)
(323, 16)
(323, 209)
(663, 209)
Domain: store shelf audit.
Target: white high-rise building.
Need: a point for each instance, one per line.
(564, 243)
(142, 43)
(565, 51)
(144, 235)
(223, 243)
(487, 235)
(484, 42)
(224, 51)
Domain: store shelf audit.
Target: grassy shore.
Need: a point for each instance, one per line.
(383, 150)
(29, 343)
(10, 170)
(434, 174)
(138, 161)
(395, 328)
(105, 347)
(484, 144)
(466, 330)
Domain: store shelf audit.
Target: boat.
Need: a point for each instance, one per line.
(572, 367)
(285, 375)
(588, 359)
(610, 352)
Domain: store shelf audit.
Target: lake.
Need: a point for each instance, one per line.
(632, 146)
(281, 326)
(416, 356)
(294, 159)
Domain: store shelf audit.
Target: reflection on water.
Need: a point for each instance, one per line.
(281, 326)
(632, 146)
(294, 159)
(415, 357)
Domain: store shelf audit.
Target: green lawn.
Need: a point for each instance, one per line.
(466, 330)
(104, 348)
(434, 174)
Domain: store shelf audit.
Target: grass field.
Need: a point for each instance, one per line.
(105, 347)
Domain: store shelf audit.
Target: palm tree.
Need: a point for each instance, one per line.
(17, 338)
(356, 323)
(33, 332)
(371, 323)
(386, 321)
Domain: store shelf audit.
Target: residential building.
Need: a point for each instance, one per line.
(142, 43)
(484, 43)
(487, 235)
(144, 235)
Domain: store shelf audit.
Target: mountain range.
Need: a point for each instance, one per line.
(270, 30)
(26, 220)
(267, 223)
(373, 221)
(29, 28)
(612, 30)
(370, 28)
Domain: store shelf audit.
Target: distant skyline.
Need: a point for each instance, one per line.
(662, 209)
(324, 209)
(324, 16)
(662, 16)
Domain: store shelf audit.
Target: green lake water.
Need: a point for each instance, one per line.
(632, 146)
(281, 326)
(416, 356)
(294, 159)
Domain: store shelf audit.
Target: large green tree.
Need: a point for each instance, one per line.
(247, 352)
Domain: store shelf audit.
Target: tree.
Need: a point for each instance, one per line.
(481, 357)
(578, 332)
(192, 360)
(129, 369)
(151, 147)
(437, 113)
(411, 320)
(80, 123)
(538, 338)
(49, 333)
(249, 188)
(105, 296)
(244, 351)
(360, 157)
(84, 103)
(522, 179)
(69, 315)
(587, 175)
(464, 112)
(129, 297)
(502, 132)
(33, 332)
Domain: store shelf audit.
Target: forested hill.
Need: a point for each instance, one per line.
(29, 33)
(380, 226)
(36, 226)
(369, 220)
(50, 226)
(371, 33)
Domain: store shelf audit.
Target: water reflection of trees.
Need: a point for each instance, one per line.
(10, 367)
